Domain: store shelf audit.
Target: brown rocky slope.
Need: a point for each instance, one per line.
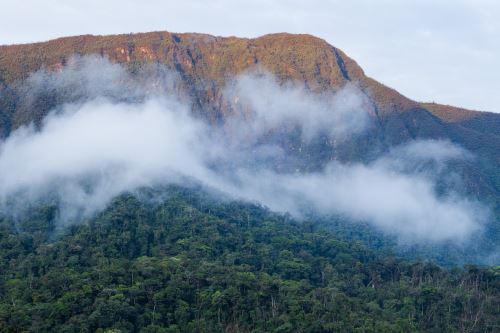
(207, 58)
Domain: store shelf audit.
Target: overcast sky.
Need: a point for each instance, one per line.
(446, 51)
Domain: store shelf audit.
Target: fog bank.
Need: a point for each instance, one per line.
(119, 135)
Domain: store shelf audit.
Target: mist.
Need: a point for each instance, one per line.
(274, 105)
(122, 132)
(400, 203)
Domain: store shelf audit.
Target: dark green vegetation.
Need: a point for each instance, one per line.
(188, 263)
(478, 249)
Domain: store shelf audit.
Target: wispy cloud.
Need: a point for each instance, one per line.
(104, 143)
(263, 104)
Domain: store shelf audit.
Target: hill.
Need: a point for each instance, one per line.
(189, 263)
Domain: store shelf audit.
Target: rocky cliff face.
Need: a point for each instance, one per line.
(209, 61)
(205, 63)
(207, 58)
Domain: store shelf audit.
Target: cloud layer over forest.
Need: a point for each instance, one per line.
(120, 134)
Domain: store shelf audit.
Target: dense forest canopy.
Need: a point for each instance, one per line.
(187, 262)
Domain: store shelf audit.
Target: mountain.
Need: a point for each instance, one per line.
(205, 64)
(207, 61)
(184, 257)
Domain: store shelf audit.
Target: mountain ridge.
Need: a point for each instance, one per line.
(303, 58)
(126, 45)
(205, 63)
(354, 67)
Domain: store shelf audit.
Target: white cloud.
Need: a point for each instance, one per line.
(272, 105)
(88, 152)
(99, 150)
(397, 202)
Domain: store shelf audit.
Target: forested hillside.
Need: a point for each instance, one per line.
(164, 182)
(177, 260)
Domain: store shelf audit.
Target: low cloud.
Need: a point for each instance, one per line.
(400, 203)
(263, 104)
(86, 78)
(90, 154)
(103, 144)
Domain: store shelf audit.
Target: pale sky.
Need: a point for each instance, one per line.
(447, 51)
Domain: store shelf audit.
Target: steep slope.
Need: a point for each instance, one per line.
(210, 60)
(205, 63)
